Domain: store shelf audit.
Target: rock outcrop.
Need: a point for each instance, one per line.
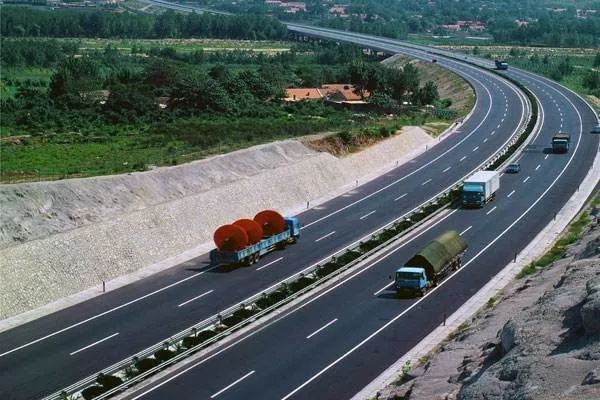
(541, 341)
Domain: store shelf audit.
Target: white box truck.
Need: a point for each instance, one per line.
(480, 188)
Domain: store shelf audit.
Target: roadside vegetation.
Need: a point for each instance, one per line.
(573, 233)
(91, 106)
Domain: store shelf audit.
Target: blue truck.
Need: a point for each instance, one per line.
(426, 268)
(501, 65)
(252, 253)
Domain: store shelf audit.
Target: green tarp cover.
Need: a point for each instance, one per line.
(439, 252)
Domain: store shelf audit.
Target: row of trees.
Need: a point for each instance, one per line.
(21, 22)
(135, 84)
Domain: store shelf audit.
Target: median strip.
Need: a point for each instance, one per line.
(181, 345)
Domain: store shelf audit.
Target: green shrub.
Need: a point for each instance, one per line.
(146, 364)
(92, 392)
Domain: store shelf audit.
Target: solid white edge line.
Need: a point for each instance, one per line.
(326, 236)
(195, 298)
(321, 328)
(271, 263)
(93, 344)
(232, 384)
(366, 215)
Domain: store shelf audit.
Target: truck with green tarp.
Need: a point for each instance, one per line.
(426, 268)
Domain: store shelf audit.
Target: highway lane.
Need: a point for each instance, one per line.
(333, 345)
(56, 367)
(55, 361)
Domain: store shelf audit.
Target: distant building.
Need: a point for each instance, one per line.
(342, 93)
(297, 94)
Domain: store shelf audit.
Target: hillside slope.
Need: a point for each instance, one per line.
(540, 341)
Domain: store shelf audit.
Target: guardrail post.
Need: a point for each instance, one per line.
(103, 287)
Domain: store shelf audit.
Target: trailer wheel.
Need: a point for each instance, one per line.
(292, 239)
(256, 257)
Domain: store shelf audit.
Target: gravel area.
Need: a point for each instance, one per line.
(59, 238)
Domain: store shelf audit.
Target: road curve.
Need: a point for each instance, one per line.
(54, 351)
(333, 344)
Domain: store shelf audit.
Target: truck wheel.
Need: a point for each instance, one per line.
(256, 258)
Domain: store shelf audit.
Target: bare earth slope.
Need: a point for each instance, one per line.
(541, 341)
(59, 238)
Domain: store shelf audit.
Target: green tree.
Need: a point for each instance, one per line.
(75, 77)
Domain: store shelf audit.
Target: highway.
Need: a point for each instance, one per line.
(336, 342)
(54, 351)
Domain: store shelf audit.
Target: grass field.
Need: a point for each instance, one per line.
(184, 45)
(13, 77)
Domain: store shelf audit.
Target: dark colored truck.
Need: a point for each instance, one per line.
(560, 142)
(426, 268)
(501, 65)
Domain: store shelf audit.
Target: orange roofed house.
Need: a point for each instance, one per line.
(333, 92)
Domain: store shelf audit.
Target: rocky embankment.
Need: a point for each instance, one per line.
(540, 340)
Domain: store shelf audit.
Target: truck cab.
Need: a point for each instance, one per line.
(473, 195)
(411, 280)
(501, 65)
(560, 142)
(293, 225)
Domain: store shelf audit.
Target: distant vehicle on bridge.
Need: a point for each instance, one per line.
(596, 129)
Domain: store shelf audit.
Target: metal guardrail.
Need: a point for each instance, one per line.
(215, 323)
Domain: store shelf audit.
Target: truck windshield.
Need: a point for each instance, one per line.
(473, 187)
(408, 275)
